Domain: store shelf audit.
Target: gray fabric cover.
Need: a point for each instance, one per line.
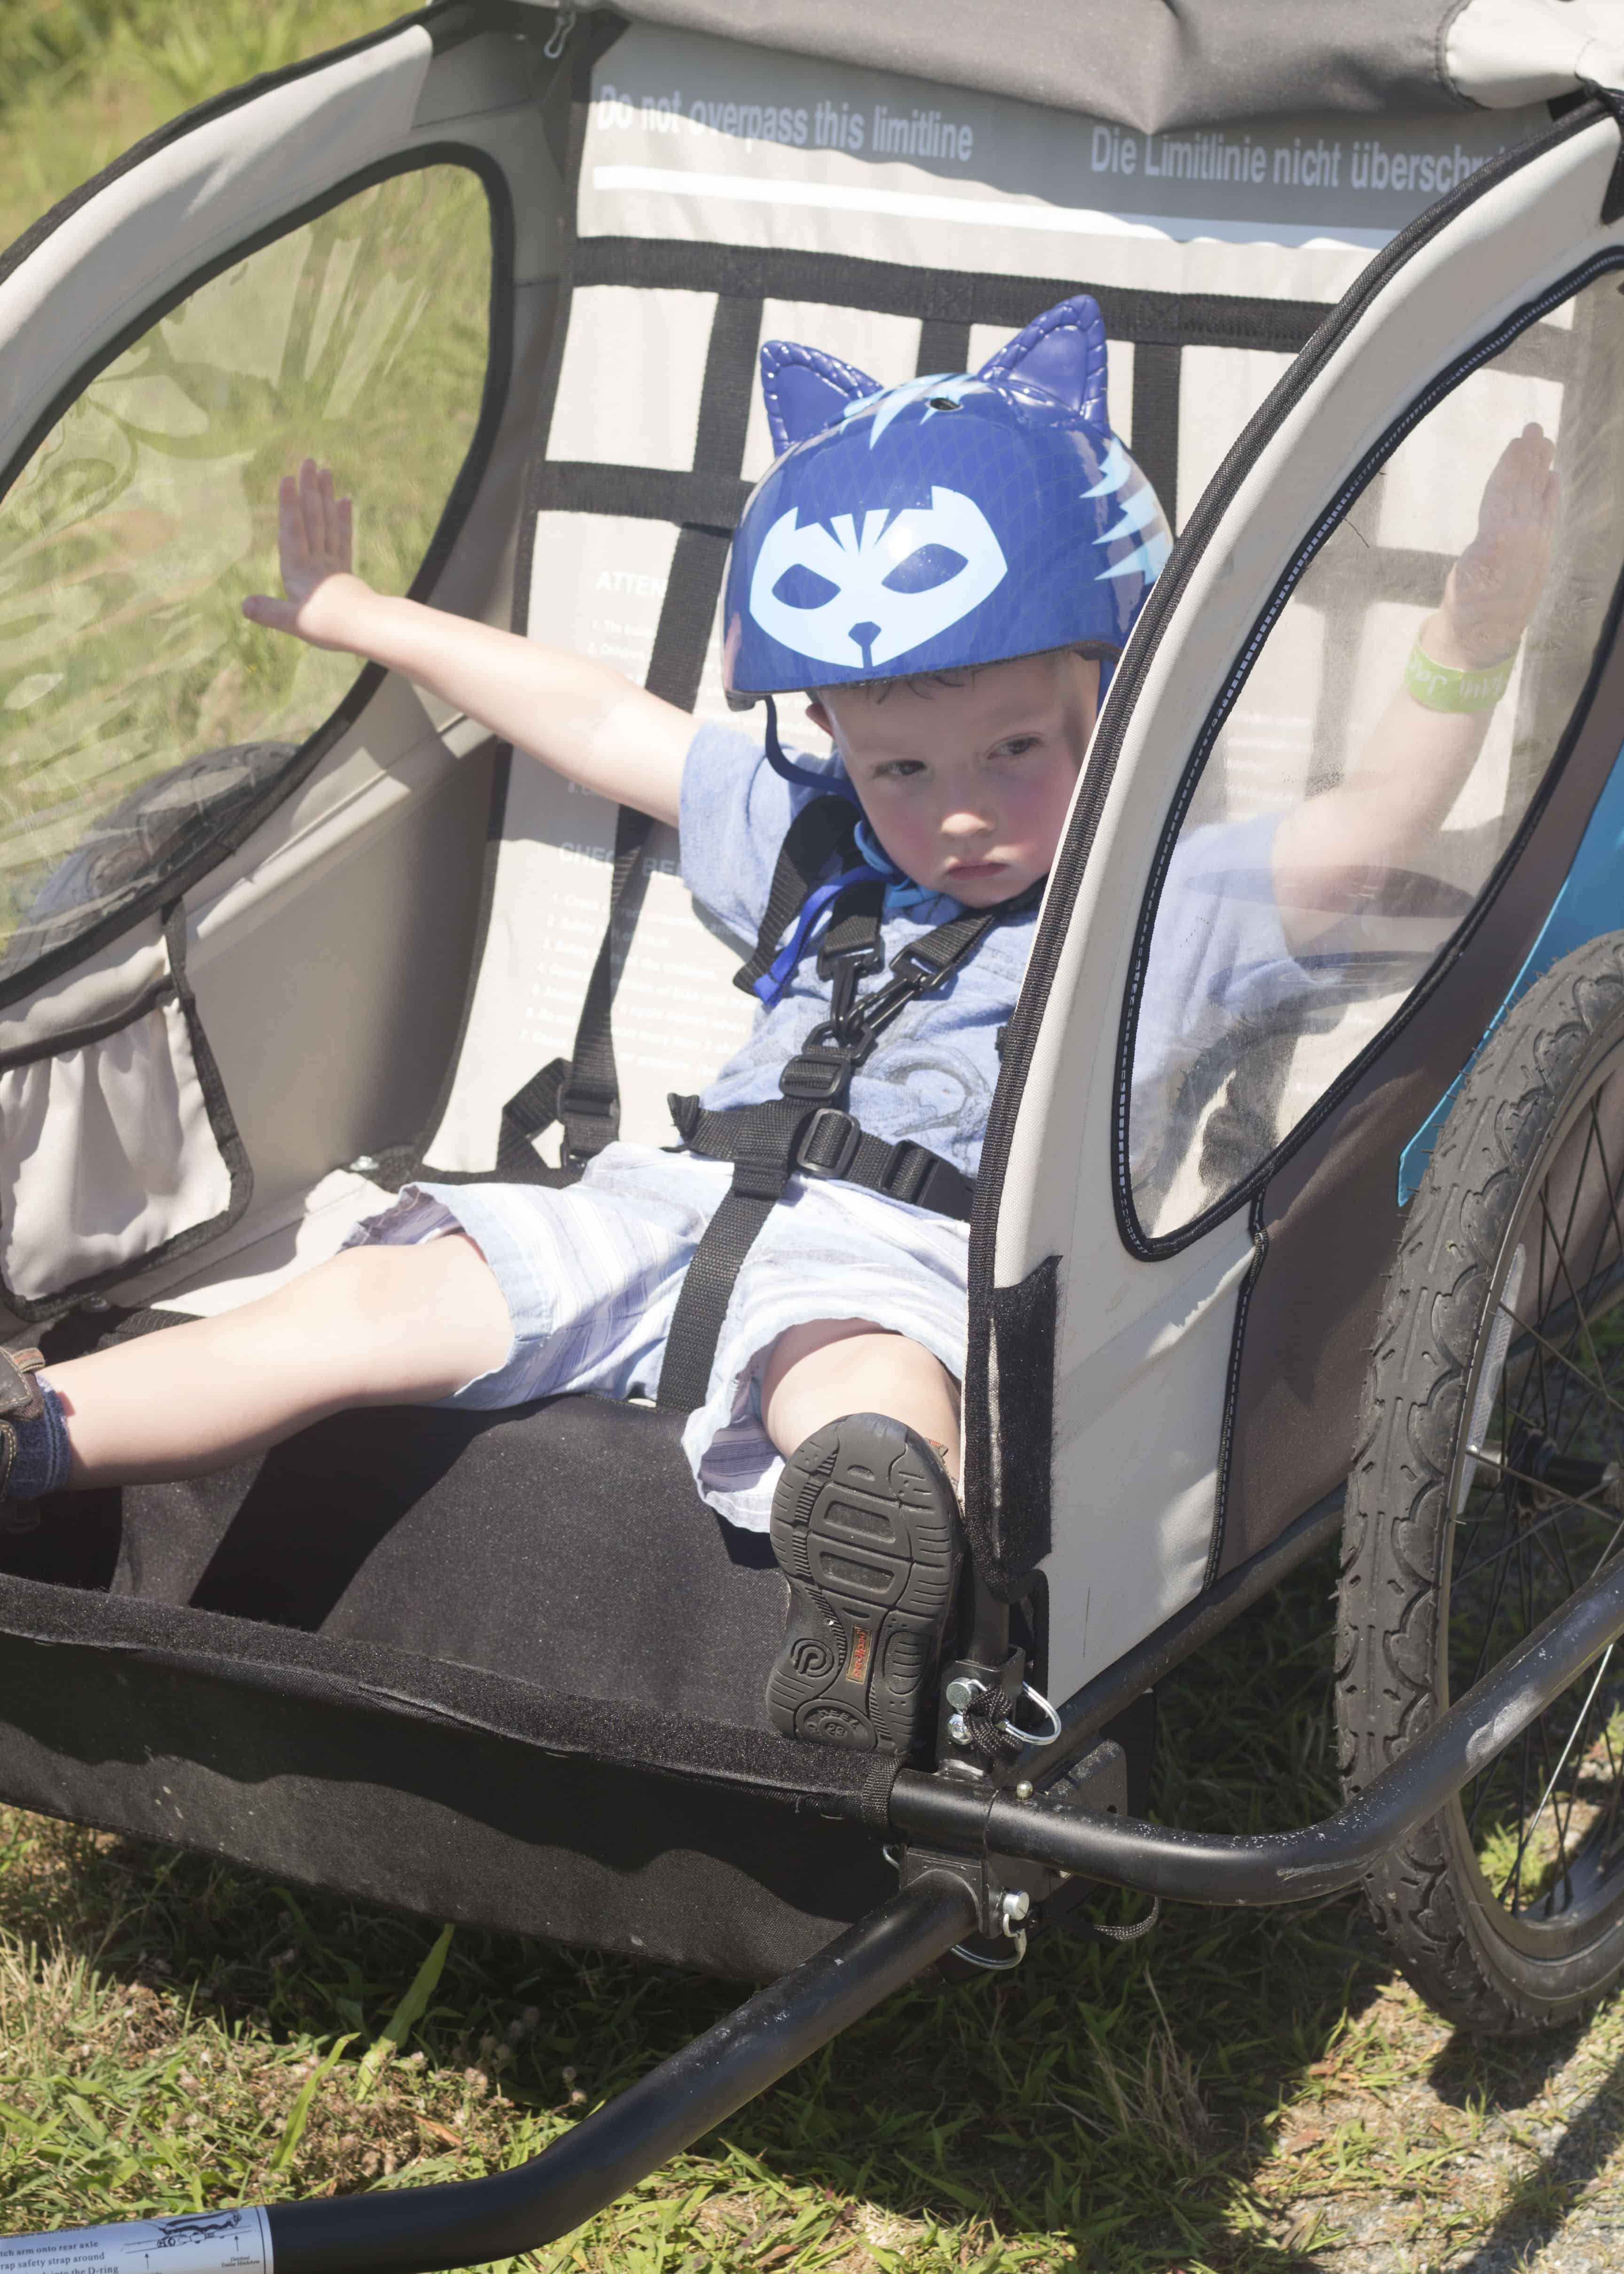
(1178, 64)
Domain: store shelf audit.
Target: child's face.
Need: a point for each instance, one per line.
(966, 787)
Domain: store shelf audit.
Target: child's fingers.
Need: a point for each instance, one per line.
(262, 608)
(289, 525)
(309, 500)
(333, 523)
(346, 533)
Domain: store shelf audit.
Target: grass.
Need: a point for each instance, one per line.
(1233, 2095)
(80, 81)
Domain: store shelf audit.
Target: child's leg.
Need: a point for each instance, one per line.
(375, 1326)
(818, 1371)
(865, 1529)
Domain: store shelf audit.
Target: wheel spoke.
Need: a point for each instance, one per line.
(1581, 1315)
(1609, 1223)
(1564, 1507)
(1609, 1185)
(1596, 1388)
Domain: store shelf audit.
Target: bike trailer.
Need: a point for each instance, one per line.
(1332, 1245)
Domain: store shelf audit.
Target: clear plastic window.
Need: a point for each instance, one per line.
(139, 712)
(1380, 755)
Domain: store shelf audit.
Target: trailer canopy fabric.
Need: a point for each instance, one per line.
(1153, 64)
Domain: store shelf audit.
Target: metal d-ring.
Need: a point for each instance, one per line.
(994, 1965)
(1032, 1736)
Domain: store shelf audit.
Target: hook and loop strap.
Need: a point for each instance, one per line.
(1612, 196)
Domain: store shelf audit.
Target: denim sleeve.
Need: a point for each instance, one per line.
(733, 814)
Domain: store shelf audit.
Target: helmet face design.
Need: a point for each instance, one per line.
(953, 520)
(860, 589)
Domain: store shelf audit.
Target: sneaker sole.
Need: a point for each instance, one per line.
(865, 1529)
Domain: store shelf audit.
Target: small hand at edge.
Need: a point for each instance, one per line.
(315, 544)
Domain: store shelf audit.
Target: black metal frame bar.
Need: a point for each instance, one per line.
(1282, 1867)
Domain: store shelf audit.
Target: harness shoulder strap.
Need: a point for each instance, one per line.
(807, 1129)
(819, 831)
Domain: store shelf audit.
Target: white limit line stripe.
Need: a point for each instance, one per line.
(987, 213)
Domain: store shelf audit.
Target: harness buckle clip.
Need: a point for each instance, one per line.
(827, 1144)
(815, 1077)
(909, 964)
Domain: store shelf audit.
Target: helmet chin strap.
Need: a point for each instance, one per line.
(808, 777)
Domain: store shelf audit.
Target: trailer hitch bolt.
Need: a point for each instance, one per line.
(958, 1728)
(964, 1690)
(1012, 1908)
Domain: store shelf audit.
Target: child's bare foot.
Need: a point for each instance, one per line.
(865, 1527)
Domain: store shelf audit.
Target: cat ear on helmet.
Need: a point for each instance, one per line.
(804, 388)
(1063, 351)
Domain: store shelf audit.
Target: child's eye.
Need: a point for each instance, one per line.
(897, 769)
(1018, 746)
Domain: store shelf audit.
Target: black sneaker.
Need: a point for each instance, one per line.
(865, 1527)
(20, 1402)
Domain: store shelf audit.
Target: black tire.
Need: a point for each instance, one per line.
(1507, 1910)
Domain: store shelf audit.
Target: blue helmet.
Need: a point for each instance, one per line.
(953, 521)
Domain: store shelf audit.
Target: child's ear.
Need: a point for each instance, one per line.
(805, 389)
(820, 718)
(1063, 351)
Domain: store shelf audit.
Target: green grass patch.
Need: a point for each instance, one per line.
(80, 81)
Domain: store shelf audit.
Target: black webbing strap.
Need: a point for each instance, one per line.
(1157, 374)
(808, 1132)
(824, 1141)
(818, 832)
(582, 1091)
(707, 1286)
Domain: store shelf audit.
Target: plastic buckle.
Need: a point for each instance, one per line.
(586, 1101)
(815, 1078)
(809, 1156)
(908, 963)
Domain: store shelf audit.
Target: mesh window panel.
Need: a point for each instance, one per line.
(1340, 829)
(140, 714)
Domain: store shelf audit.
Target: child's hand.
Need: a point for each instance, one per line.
(1494, 587)
(313, 531)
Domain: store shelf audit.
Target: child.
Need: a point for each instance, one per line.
(990, 541)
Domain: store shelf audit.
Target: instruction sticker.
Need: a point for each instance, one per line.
(207, 2242)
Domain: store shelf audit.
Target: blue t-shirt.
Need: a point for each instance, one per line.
(1220, 960)
(932, 1073)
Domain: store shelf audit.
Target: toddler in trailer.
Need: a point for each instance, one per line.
(951, 567)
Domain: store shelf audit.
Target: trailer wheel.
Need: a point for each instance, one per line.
(1488, 1484)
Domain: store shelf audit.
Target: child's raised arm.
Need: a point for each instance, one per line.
(1333, 851)
(581, 718)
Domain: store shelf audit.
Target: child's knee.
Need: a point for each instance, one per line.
(811, 1339)
(437, 1291)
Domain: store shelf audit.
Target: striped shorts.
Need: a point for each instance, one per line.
(592, 1273)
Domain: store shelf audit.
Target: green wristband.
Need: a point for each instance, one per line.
(1436, 686)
